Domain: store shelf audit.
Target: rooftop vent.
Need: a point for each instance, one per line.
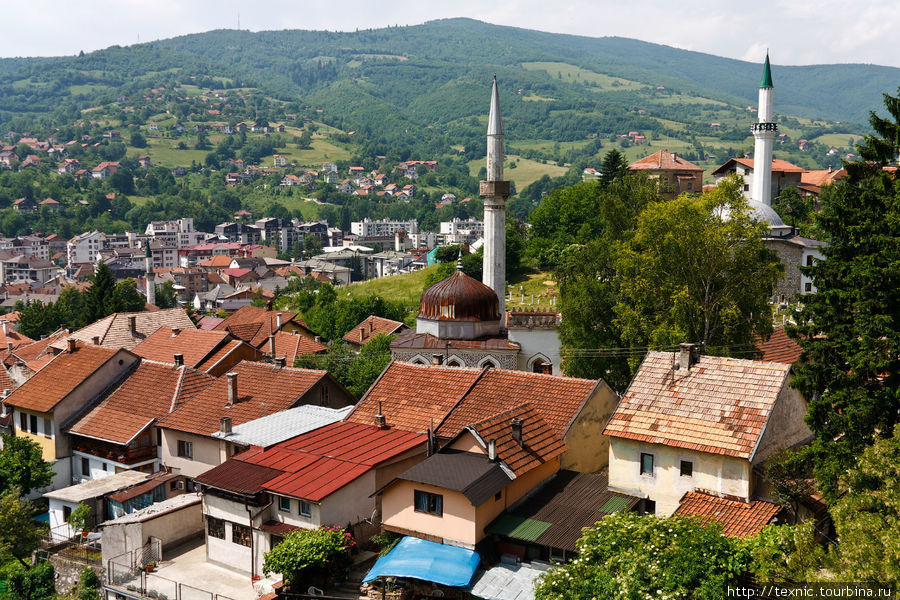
(179, 360)
(225, 425)
(517, 430)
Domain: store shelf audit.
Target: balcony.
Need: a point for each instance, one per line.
(120, 454)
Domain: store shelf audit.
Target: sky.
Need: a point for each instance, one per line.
(797, 32)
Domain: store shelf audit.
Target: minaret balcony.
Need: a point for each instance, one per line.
(494, 189)
(763, 127)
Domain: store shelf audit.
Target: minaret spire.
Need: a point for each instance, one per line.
(149, 276)
(764, 133)
(494, 192)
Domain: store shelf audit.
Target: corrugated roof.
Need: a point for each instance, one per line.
(521, 528)
(720, 405)
(238, 476)
(737, 518)
(282, 426)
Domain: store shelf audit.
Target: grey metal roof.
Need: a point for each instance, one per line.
(97, 488)
(284, 425)
(474, 475)
(506, 582)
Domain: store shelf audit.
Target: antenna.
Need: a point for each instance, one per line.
(239, 20)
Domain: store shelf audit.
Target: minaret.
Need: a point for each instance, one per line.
(149, 275)
(494, 192)
(764, 132)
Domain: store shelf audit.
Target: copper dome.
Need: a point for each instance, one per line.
(459, 298)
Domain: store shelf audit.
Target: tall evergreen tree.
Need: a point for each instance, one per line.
(99, 301)
(880, 147)
(613, 167)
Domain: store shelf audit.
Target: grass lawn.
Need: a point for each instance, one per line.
(322, 151)
(839, 140)
(571, 73)
(406, 288)
(538, 284)
(546, 145)
(527, 171)
(139, 200)
(163, 152)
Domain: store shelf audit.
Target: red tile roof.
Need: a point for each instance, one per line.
(221, 261)
(194, 344)
(316, 464)
(539, 442)
(146, 395)
(663, 161)
(208, 323)
(779, 347)
(292, 345)
(371, 327)
(720, 405)
(411, 396)
(253, 324)
(114, 331)
(37, 354)
(46, 388)
(737, 518)
(263, 389)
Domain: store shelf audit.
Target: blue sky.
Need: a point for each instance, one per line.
(796, 31)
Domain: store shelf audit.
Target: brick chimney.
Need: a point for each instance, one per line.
(5, 325)
(71, 344)
(179, 360)
(272, 344)
(132, 324)
(96, 340)
(687, 356)
(362, 333)
(232, 388)
(516, 425)
(380, 419)
(278, 321)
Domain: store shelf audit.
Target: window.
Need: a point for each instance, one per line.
(240, 534)
(103, 466)
(324, 395)
(23, 421)
(215, 527)
(646, 464)
(687, 468)
(807, 287)
(185, 449)
(746, 187)
(33, 420)
(284, 504)
(305, 509)
(48, 428)
(67, 512)
(274, 540)
(85, 467)
(429, 503)
(809, 260)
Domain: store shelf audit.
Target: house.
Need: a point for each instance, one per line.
(24, 360)
(675, 173)
(323, 477)
(24, 205)
(795, 251)
(104, 170)
(51, 204)
(127, 330)
(25, 268)
(415, 397)
(693, 422)
(144, 161)
(371, 326)
(254, 325)
(784, 174)
(250, 391)
(279, 161)
(44, 406)
(778, 347)
(69, 165)
(812, 182)
(212, 352)
(119, 433)
(290, 346)
(738, 517)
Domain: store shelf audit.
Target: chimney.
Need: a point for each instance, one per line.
(179, 360)
(9, 346)
(272, 344)
(380, 419)
(687, 356)
(362, 333)
(225, 425)
(371, 326)
(70, 344)
(5, 325)
(492, 450)
(96, 340)
(517, 430)
(132, 324)
(437, 359)
(232, 388)
(280, 362)
(278, 321)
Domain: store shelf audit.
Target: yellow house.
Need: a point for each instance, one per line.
(56, 395)
(452, 496)
(701, 423)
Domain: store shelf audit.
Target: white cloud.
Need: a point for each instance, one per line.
(796, 31)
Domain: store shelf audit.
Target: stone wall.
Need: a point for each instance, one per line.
(68, 571)
(791, 256)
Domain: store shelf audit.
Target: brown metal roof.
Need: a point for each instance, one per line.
(238, 476)
(474, 475)
(459, 298)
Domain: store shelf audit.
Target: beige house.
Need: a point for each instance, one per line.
(676, 175)
(689, 422)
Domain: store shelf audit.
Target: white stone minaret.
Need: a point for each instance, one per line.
(494, 192)
(149, 276)
(764, 133)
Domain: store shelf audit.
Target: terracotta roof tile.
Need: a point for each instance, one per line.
(292, 345)
(46, 388)
(253, 324)
(263, 389)
(664, 161)
(194, 344)
(779, 348)
(778, 165)
(372, 326)
(36, 354)
(114, 331)
(719, 406)
(737, 518)
(539, 442)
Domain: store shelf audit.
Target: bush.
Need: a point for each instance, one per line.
(311, 553)
(34, 584)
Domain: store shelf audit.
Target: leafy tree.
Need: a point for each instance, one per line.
(80, 518)
(848, 329)
(137, 140)
(126, 298)
(365, 368)
(19, 536)
(792, 208)
(165, 295)
(259, 300)
(310, 555)
(791, 479)
(22, 465)
(312, 246)
(690, 275)
(646, 557)
(867, 516)
(786, 552)
(34, 584)
(88, 585)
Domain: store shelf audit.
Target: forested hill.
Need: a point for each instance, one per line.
(428, 69)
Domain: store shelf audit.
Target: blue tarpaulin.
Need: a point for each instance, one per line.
(428, 561)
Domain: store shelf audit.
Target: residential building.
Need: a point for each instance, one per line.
(383, 227)
(323, 477)
(255, 325)
(795, 251)
(83, 249)
(250, 391)
(212, 352)
(784, 174)
(178, 233)
(693, 422)
(461, 231)
(104, 170)
(371, 326)
(127, 330)
(24, 268)
(675, 174)
(239, 232)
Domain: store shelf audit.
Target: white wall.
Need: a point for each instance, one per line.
(535, 342)
(96, 470)
(207, 453)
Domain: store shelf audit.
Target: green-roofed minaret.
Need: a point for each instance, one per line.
(767, 74)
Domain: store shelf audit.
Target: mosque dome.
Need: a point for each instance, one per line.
(764, 214)
(459, 298)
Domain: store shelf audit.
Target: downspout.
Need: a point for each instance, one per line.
(252, 517)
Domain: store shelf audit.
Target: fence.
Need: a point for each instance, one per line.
(60, 540)
(152, 585)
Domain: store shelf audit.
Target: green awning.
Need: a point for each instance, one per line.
(519, 528)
